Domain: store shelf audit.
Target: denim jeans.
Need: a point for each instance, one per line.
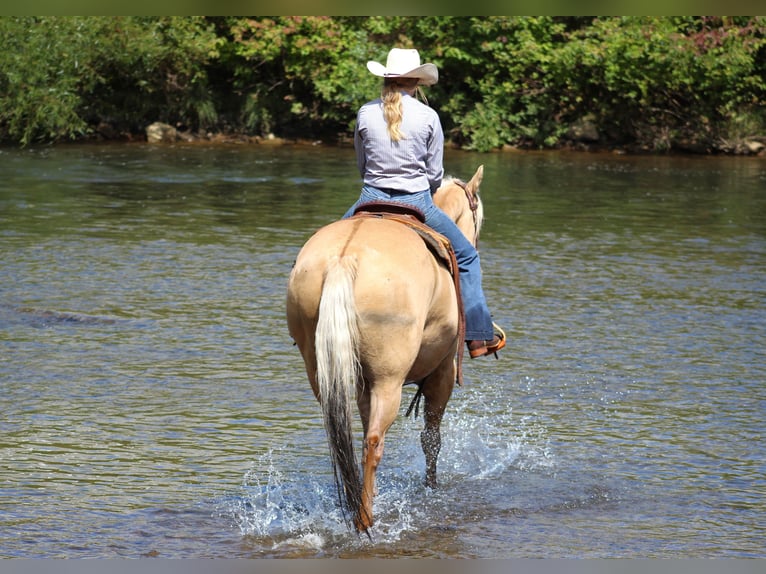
(478, 321)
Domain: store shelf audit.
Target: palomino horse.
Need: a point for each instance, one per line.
(371, 309)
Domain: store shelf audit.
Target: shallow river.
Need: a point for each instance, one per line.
(153, 404)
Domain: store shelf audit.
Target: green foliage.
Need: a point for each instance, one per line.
(60, 76)
(40, 78)
(152, 69)
(517, 98)
(659, 80)
(300, 73)
(656, 83)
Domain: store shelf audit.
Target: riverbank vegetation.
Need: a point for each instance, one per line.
(654, 84)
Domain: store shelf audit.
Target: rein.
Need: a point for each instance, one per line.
(473, 204)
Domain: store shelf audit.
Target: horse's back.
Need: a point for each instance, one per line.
(390, 260)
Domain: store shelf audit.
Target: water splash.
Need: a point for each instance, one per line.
(293, 508)
(483, 438)
(278, 505)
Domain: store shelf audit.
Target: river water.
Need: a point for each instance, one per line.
(153, 404)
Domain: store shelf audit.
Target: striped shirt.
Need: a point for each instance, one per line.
(410, 165)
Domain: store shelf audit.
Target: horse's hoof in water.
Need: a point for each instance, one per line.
(431, 483)
(361, 528)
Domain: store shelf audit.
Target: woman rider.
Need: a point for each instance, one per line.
(399, 147)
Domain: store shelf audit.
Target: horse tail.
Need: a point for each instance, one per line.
(338, 370)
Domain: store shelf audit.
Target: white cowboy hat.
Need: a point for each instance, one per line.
(403, 63)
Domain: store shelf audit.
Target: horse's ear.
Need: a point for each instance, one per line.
(473, 185)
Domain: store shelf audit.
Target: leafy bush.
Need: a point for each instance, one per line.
(656, 83)
(300, 74)
(60, 76)
(660, 81)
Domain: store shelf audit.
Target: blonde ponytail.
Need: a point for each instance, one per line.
(391, 96)
(392, 111)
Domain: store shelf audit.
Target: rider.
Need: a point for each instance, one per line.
(399, 148)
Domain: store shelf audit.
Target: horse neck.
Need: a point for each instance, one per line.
(452, 198)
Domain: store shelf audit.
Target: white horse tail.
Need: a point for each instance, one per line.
(338, 370)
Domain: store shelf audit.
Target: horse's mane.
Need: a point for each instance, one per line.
(451, 179)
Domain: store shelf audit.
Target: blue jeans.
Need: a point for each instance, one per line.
(478, 321)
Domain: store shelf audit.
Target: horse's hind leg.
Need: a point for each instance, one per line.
(437, 389)
(378, 408)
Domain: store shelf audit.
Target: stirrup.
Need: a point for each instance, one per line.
(501, 334)
(490, 349)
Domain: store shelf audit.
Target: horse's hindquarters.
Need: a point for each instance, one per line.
(405, 300)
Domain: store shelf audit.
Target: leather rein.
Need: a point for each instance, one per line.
(473, 204)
